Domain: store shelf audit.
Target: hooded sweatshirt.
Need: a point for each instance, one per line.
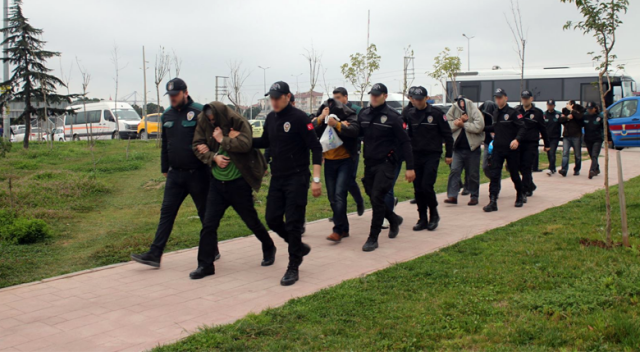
(473, 128)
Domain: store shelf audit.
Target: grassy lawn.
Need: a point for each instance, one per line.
(528, 286)
(99, 216)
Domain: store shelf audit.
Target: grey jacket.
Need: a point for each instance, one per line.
(474, 127)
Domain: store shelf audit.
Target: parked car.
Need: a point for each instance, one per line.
(35, 133)
(152, 126)
(257, 126)
(99, 121)
(624, 123)
(58, 135)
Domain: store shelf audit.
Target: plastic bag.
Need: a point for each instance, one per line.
(330, 139)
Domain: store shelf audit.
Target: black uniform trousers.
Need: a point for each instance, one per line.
(180, 184)
(594, 148)
(551, 154)
(426, 169)
(528, 151)
(535, 165)
(498, 157)
(222, 195)
(378, 180)
(287, 198)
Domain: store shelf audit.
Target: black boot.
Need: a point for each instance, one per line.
(422, 224)
(434, 219)
(371, 244)
(147, 259)
(291, 276)
(394, 227)
(269, 256)
(520, 199)
(492, 206)
(202, 272)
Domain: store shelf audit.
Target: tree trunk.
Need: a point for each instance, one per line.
(606, 159)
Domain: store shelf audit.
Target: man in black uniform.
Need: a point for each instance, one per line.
(534, 126)
(289, 135)
(508, 130)
(554, 129)
(593, 136)
(185, 173)
(384, 132)
(428, 130)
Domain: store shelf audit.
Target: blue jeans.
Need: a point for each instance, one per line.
(576, 144)
(354, 188)
(390, 198)
(338, 176)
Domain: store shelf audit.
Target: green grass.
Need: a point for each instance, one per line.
(528, 286)
(98, 216)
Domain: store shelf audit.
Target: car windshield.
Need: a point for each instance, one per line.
(255, 123)
(127, 115)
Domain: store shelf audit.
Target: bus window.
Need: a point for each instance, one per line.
(627, 89)
(546, 89)
(617, 93)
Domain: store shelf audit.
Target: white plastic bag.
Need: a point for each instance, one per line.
(330, 139)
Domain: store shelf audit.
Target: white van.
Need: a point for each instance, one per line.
(394, 100)
(99, 121)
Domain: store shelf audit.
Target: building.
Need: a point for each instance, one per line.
(303, 100)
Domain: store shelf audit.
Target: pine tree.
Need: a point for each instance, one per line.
(30, 80)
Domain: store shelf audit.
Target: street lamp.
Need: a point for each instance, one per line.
(297, 86)
(251, 106)
(264, 71)
(468, 51)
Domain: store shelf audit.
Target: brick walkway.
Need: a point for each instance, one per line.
(128, 307)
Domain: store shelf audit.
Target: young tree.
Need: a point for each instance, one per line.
(177, 64)
(115, 60)
(27, 55)
(66, 79)
(88, 123)
(315, 62)
(163, 64)
(407, 78)
(237, 76)
(601, 19)
(446, 67)
(360, 68)
(517, 29)
(326, 87)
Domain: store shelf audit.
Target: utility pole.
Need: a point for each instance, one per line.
(468, 51)
(264, 73)
(221, 90)
(144, 107)
(409, 72)
(297, 86)
(6, 122)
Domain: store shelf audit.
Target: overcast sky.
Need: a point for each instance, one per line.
(208, 34)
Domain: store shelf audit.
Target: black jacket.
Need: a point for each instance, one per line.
(573, 127)
(349, 135)
(533, 125)
(289, 135)
(593, 128)
(488, 109)
(552, 122)
(428, 130)
(506, 128)
(384, 135)
(178, 127)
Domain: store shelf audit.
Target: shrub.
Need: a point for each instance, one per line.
(5, 147)
(16, 230)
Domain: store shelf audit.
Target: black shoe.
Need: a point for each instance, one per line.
(202, 272)
(269, 257)
(306, 249)
(147, 259)
(525, 199)
(434, 219)
(370, 245)
(529, 193)
(576, 173)
(395, 202)
(290, 277)
(563, 173)
(465, 192)
(394, 229)
(592, 174)
(360, 209)
(331, 219)
(413, 201)
(421, 225)
(492, 206)
(536, 170)
(217, 257)
(519, 200)
(597, 172)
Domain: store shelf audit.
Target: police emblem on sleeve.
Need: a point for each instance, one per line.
(532, 116)
(287, 126)
(430, 119)
(598, 119)
(383, 119)
(506, 116)
(190, 115)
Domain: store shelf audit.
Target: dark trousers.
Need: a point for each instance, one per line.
(354, 187)
(498, 157)
(180, 184)
(469, 161)
(551, 154)
(535, 165)
(287, 198)
(390, 198)
(426, 175)
(338, 175)
(528, 152)
(486, 168)
(576, 144)
(378, 181)
(222, 195)
(594, 148)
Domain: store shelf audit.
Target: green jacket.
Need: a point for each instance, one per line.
(250, 162)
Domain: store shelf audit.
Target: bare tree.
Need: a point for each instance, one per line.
(326, 87)
(315, 62)
(115, 58)
(237, 76)
(177, 64)
(86, 79)
(519, 36)
(163, 64)
(67, 80)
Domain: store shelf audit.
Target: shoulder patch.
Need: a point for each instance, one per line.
(520, 116)
(310, 127)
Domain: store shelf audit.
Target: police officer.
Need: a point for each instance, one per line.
(289, 135)
(593, 136)
(428, 130)
(508, 130)
(185, 173)
(534, 126)
(554, 129)
(384, 132)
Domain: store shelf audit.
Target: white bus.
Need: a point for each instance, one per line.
(558, 83)
(99, 121)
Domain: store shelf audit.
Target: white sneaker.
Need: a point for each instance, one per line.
(385, 224)
(549, 172)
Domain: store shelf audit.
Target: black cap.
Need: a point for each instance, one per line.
(378, 89)
(592, 105)
(278, 89)
(500, 93)
(175, 86)
(418, 92)
(551, 102)
(526, 94)
(341, 90)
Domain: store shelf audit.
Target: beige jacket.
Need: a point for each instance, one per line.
(474, 127)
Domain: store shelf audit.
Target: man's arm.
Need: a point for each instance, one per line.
(519, 122)
(475, 124)
(404, 142)
(200, 138)
(311, 141)
(351, 129)
(447, 135)
(242, 142)
(164, 156)
(543, 129)
(262, 142)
